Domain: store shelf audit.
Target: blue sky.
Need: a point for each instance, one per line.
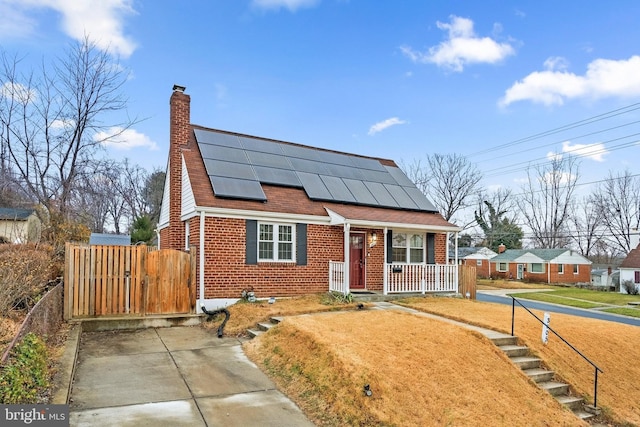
(392, 79)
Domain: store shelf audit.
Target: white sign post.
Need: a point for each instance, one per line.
(545, 328)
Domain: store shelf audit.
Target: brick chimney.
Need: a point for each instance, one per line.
(501, 248)
(179, 133)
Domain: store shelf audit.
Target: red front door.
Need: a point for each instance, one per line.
(356, 261)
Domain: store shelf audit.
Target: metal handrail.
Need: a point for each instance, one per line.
(595, 387)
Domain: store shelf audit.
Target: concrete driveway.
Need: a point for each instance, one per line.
(178, 376)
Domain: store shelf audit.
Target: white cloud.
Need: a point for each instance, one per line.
(18, 92)
(124, 139)
(462, 47)
(380, 126)
(594, 151)
(604, 78)
(102, 20)
(292, 5)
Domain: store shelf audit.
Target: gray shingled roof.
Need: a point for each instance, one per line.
(544, 254)
(15, 214)
(109, 239)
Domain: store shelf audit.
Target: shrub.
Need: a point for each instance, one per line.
(25, 271)
(630, 287)
(25, 375)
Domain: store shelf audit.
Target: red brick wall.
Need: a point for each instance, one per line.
(179, 133)
(482, 270)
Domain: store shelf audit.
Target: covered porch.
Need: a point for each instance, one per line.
(394, 258)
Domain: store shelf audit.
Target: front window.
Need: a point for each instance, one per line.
(503, 266)
(560, 268)
(408, 247)
(275, 242)
(536, 267)
(479, 262)
(575, 268)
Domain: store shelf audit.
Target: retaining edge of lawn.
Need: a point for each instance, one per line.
(63, 377)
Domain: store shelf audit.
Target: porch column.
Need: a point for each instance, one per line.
(385, 267)
(347, 260)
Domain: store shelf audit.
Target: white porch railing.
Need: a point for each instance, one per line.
(336, 277)
(422, 278)
(405, 278)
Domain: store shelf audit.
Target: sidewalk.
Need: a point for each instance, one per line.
(179, 376)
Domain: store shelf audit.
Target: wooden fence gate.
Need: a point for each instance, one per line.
(467, 280)
(127, 281)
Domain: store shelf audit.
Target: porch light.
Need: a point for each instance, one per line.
(374, 239)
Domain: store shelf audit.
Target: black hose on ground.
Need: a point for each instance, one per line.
(211, 314)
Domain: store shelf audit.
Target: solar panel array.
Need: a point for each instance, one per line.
(237, 165)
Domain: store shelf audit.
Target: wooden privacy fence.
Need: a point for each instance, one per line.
(467, 280)
(102, 280)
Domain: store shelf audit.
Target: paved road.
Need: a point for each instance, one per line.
(555, 308)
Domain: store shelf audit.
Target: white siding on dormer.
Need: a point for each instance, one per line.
(528, 258)
(188, 202)
(163, 221)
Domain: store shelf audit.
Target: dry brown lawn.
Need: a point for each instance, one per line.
(421, 372)
(245, 315)
(486, 284)
(612, 346)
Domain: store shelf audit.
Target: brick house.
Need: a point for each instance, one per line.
(630, 267)
(542, 265)
(287, 219)
(478, 257)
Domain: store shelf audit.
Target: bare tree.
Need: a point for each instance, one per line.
(617, 201)
(450, 181)
(51, 122)
(547, 199)
(587, 226)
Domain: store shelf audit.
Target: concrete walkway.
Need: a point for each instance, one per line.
(179, 376)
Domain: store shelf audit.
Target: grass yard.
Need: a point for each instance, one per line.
(612, 346)
(585, 298)
(488, 284)
(420, 372)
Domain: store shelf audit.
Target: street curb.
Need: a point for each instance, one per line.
(63, 379)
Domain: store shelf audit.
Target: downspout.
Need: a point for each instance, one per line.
(347, 265)
(201, 256)
(385, 267)
(549, 272)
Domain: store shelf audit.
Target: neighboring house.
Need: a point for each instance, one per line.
(605, 277)
(542, 265)
(19, 225)
(479, 257)
(630, 269)
(109, 239)
(286, 219)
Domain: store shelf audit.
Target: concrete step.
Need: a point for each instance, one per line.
(265, 326)
(526, 362)
(254, 332)
(572, 402)
(583, 415)
(503, 339)
(276, 319)
(539, 375)
(515, 350)
(554, 388)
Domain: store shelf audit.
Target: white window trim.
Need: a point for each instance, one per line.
(536, 272)
(560, 268)
(506, 267)
(276, 235)
(479, 262)
(576, 269)
(408, 247)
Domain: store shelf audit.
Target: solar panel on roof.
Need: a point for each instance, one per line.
(420, 199)
(268, 160)
(217, 138)
(313, 186)
(229, 170)
(300, 152)
(360, 192)
(343, 171)
(362, 163)
(335, 158)
(381, 194)
(227, 154)
(261, 145)
(277, 176)
(302, 165)
(399, 195)
(237, 188)
(377, 176)
(337, 188)
(399, 176)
